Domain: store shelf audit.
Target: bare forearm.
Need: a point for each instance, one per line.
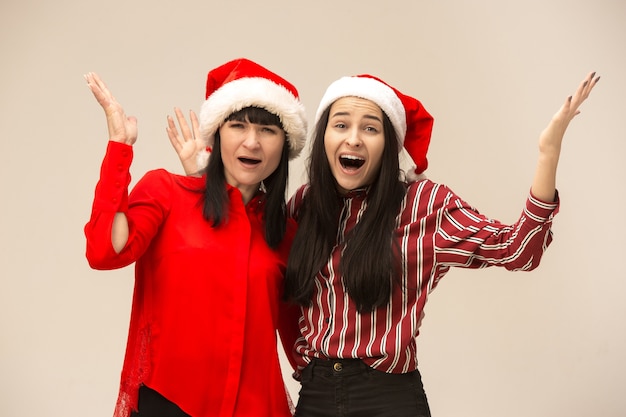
(119, 232)
(544, 181)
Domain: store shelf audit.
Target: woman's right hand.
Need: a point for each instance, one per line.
(121, 128)
(188, 144)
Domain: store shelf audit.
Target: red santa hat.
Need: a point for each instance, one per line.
(412, 123)
(242, 83)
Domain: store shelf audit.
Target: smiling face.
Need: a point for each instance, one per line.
(250, 153)
(354, 142)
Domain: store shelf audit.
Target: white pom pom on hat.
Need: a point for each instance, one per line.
(412, 123)
(242, 83)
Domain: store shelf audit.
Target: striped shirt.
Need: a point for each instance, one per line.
(435, 230)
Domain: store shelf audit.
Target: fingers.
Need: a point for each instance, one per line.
(195, 124)
(97, 86)
(585, 88)
(94, 84)
(573, 102)
(188, 134)
(121, 127)
(184, 127)
(172, 134)
(102, 93)
(94, 79)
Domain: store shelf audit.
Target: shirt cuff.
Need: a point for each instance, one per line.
(542, 211)
(112, 188)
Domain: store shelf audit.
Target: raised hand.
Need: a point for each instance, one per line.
(188, 144)
(550, 140)
(121, 128)
(552, 136)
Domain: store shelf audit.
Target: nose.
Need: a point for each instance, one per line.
(251, 140)
(353, 138)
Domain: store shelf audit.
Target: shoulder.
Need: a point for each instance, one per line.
(156, 178)
(161, 176)
(301, 191)
(295, 202)
(426, 197)
(427, 189)
(162, 184)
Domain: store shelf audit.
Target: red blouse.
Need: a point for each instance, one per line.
(206, 301)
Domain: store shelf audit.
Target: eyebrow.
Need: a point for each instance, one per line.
(367, 116)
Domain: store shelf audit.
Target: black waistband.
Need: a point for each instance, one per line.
(338, 366)
(329, 363)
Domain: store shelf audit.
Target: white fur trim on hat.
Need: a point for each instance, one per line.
(369, 89)
(253, 92)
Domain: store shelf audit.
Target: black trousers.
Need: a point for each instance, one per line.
(153, 404)
(350, 388)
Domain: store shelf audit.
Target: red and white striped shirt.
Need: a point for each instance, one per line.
(435, 230)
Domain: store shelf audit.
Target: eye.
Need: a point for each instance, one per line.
(340, 125)
(270, 129)
(371, 129)
(235, 124)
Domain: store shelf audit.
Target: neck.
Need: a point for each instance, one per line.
(248, 191)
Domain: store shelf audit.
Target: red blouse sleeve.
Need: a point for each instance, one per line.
(145, 209)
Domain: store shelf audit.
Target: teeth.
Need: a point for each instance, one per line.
(351, 161)
(356, 158)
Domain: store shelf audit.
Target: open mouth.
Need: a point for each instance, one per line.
(351, 161)
(249, 161)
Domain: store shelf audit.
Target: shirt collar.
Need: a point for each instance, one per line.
(360, 193)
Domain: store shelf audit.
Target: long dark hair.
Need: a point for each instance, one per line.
(369, 259)
(215, 199)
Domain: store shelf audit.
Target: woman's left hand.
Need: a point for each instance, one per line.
(552, 136)
(550, 140)
(188, 144)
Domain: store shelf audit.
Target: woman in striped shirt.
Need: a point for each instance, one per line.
(371, 245)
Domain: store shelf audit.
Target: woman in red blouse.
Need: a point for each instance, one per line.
(371, 245)
(210, 251)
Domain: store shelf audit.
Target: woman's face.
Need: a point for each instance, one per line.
(354, 141)
(250, 152)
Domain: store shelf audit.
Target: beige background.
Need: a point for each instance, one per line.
(492, 72)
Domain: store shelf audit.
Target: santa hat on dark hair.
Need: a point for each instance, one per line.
(242, 83)
(412, 123)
